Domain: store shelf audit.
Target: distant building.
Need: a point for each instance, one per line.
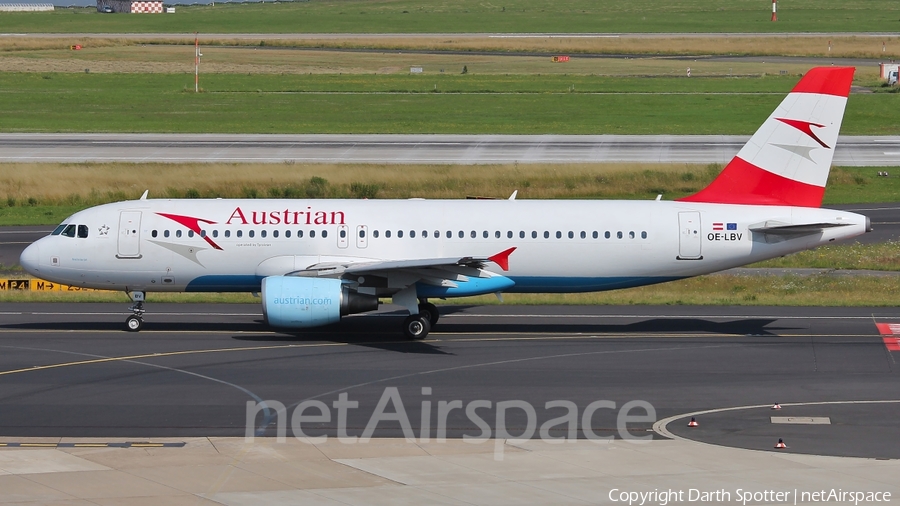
(25, 7)
(133, 6)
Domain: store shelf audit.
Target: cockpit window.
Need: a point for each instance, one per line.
(69, 231)
(59, 229)
(82, 231)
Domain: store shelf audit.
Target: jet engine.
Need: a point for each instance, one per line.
(298, 302)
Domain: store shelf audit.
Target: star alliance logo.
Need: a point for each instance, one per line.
(104, 230)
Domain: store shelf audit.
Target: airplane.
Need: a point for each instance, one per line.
(314, 261)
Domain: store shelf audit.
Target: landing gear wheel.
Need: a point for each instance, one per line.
(416, 327)
(430, 311)
(134, 323)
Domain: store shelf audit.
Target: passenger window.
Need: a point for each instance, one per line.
(473, 234)
(521, 234)
(412, 234)
(203, 233)
(571, 234)
(387, 234)
(190, 233)
(274, 233)
(362, 234)
(287, 233)
(583, 234)
(312, 234)
(153, 234)
(324, 234)
(59, 229)
(631, 234)
(251, 233)
(299, 234)
(606, 234)
(558, 234)
(594, 235)
(424, 234)
(178, 233)
(215, 233)
(69, 231)
(240, 233)
(228, 233)
(619, 235)
(83, 231)
(534, 234)
(399, 234)
(546, 234)
(509, 234)
(343, 233)
(375, 234)
(262, 233)
(437, 234)
(461, 234)
(165, 233)
(643, 235)
(496, 234)
(449, 234)
(485, 234)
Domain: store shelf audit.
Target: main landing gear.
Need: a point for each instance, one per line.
(135, 322)
(417, 326)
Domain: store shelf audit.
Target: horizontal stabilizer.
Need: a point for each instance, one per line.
(804, 229)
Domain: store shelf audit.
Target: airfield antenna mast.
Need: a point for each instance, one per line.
(197, 63)
(774, 14)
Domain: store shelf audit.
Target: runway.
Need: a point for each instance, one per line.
(67, 370)
(851, 151)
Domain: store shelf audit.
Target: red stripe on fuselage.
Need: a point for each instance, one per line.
(741, 182)
(827, 81)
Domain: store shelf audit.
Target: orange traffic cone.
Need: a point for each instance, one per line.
(693, 423)
(776, 406)
(780, 444)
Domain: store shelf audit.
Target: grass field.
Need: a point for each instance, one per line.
(423, 16)
(44, 194)
(495, 104)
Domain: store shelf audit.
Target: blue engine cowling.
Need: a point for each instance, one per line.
(298, 302)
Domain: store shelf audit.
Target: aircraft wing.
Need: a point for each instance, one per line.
(451, 267)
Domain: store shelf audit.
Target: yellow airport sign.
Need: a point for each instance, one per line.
(40, 285)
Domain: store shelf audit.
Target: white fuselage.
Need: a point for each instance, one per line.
(561, 246)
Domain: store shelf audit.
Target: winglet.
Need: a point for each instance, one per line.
(502, 258)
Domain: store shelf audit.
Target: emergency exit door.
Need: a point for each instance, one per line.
(129, 234)
(690, 239)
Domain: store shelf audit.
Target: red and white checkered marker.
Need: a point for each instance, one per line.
(890, 333)
(776, 406)
(693, 423)
(151, 7)
(780, 444)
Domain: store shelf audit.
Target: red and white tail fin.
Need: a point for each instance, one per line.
(787, 160)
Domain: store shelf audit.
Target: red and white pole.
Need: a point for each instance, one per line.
(196, 63)
(774, 15)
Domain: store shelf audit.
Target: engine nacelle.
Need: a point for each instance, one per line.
(298, 302)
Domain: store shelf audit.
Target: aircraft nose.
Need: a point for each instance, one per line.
(30, 259)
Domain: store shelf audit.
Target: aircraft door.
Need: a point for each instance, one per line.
(689, 240)
(343, 232)
(129, 234)
(362, 236)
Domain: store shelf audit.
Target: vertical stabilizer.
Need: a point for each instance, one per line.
(787, 160)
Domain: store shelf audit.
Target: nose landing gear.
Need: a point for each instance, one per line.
(135, 322)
